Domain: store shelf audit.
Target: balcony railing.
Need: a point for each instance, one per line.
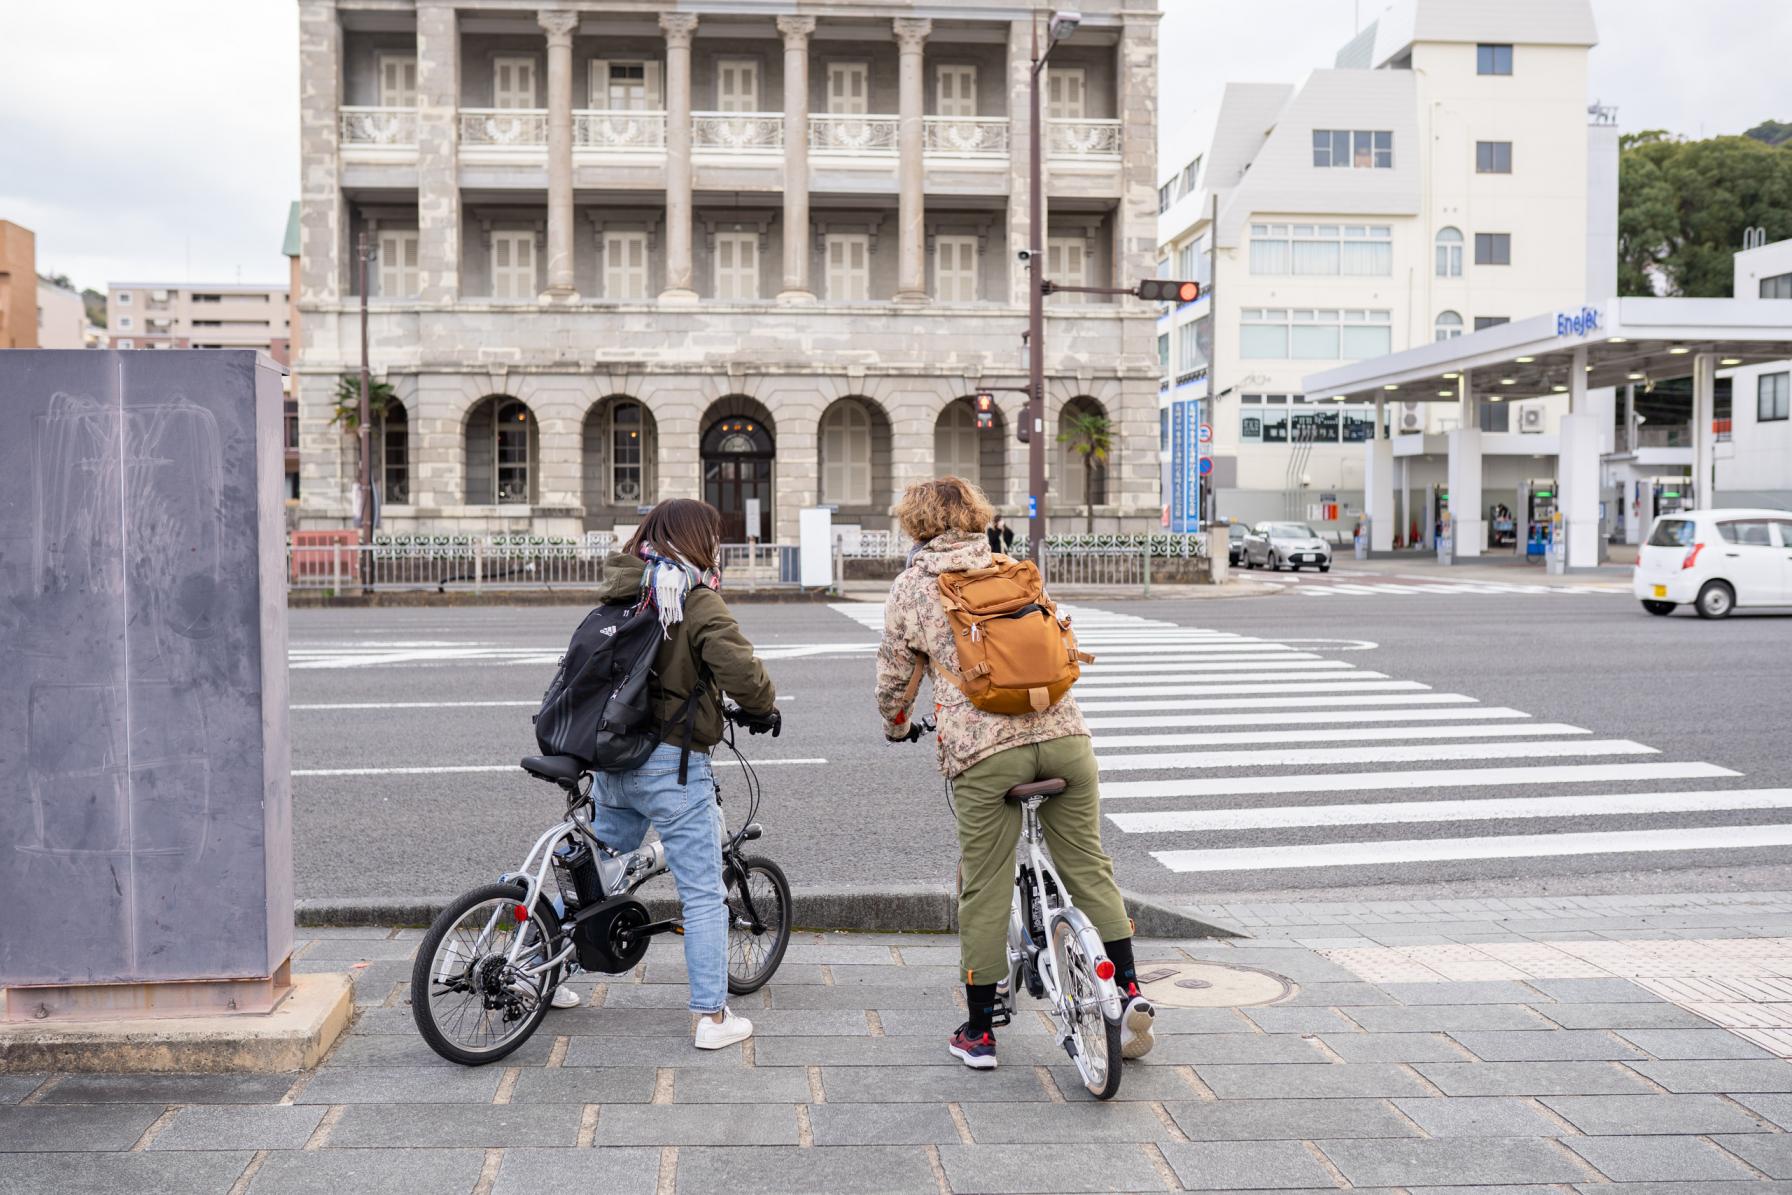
(618, 129)
(830, 133)
(738, 132)
(1082, 138)
(525, 128)
(393, 127)
(1672, 436)
(968, 136)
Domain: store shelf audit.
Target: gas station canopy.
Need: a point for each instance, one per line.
(1624, 340)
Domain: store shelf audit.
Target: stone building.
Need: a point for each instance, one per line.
(619, 253)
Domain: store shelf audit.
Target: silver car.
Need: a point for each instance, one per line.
(1295, 545)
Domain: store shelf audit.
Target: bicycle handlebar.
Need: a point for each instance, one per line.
(755, 723)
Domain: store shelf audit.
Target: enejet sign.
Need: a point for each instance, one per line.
(1584, 322)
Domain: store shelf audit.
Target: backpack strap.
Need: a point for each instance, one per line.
(687, 716)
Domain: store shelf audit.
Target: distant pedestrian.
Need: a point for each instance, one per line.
(1001, 538)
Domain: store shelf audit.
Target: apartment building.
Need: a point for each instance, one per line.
(617, 253)
(1754, 446)
(18, 286)
(198, 315)
(61, 317)
(1445, 174)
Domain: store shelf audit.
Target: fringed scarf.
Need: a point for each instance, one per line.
(669, 580)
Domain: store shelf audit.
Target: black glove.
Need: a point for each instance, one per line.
(915, 731)
(760, 723)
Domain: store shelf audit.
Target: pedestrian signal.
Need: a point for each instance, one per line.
(1163, 290)
(985, 404)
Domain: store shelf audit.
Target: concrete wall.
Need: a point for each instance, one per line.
(18, 287)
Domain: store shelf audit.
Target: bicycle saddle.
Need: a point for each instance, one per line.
(561, 769)
(1038, 788)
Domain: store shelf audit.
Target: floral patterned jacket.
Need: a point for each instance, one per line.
(916, 631)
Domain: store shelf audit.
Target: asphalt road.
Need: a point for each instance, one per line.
(1475, 696)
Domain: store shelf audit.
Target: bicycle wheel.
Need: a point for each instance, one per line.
(1095, 1035)
(470, 1004)
(758, 921)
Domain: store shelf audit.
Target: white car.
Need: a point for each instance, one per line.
(1716, 560)
(1296, 545)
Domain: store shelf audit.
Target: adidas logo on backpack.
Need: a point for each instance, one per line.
(610, 631)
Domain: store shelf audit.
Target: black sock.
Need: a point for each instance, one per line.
(981, 999)
(1126, 973)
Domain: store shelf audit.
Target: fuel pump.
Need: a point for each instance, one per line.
(1540, 504)
(1672, 495)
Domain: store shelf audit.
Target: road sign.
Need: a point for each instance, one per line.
(1206, 465)
(1206, 434)
(1032, 506)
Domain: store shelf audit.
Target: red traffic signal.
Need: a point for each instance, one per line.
(1164, 290)
(985, 404)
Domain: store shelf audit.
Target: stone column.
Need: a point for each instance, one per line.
(323, 225)
(679, 29)
(796, 31)
(438, 160)
(559, 24)
(911, 268)
(1378, 486)
(1019, 221)
(1466, 515)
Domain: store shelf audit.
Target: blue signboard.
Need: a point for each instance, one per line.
(1186, 453)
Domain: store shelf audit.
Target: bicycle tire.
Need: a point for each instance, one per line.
(1080, 986)
(422, 1006)
(744, 981)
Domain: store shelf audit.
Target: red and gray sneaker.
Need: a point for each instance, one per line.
(1135, 1023)
(977, 1052)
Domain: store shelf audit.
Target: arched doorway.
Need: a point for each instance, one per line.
(1083, 475)
(737, 468)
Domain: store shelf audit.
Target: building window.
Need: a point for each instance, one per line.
(957, 450)
(394, 455)
(398, 80)
(955, 91)
(1491, 321)
(619, 85)
(1449, 253)
(630, 454)
(849, 266)
(291, 408)
(1448, 326)
(124, 323)
(955, 269)
(1493, 248)
(1771, 390)
(849, 88)
(1495, 416)
(1777, 287)
(1362, 149)
(1305, 334)
(1493, 59)
(511, 450)
(124, 298)
(513, 82)
(1067, 263)
(625, 266)
(1190, 173)
(846, 455)
(1165, 196)
(737, 85)
(398, 277)
(737, 266)
(513, 264)
(127, 344)
(1493, 157)
(1163, 353)
(1066, 92)
(1190, 262)
(1190, 356)
(1353, 250)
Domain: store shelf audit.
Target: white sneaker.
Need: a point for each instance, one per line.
(1135, 1028)
(565, 997)
(714, 1035)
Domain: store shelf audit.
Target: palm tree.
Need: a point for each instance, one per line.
(1091, 437)
(347, 414)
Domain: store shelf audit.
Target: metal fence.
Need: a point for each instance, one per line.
(1105, 568)
(483, 566)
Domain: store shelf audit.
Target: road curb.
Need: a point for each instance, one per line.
(911, 909)
(301, 599)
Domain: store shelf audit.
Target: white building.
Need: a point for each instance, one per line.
(1754, 452)
(1446, 174)
(61, 317)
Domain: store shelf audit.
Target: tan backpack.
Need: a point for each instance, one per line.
(1015, 654)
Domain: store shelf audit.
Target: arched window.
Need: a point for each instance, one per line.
(1448, 326)
(956, 449)
(393, 452)
(620, 455)
(501, 445)
(846, 455)
(1083, 476)
(1449, 253)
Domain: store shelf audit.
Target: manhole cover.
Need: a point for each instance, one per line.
(1211, 985)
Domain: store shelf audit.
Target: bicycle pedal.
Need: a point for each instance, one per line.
(1001, 1015)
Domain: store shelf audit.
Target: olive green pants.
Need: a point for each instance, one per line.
(989, 829)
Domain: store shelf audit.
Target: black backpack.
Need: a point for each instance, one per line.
(599, 707)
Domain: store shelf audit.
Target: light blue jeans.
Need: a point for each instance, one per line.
(689, 822)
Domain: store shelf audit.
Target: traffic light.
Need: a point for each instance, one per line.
(1163, 290)
(985, 404)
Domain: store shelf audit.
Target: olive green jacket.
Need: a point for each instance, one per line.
(709, 633)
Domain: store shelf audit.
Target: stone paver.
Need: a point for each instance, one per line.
(487, 1126)
(1770, 1155)
(1478, 1116)
(56, 1128)
(1532, 1078)
(898, 1170)
(1296, 1082)
(698, 1124)
(1566, 1045)
(228, 1126)
(1242, 1165)
(883, 1124)
(1393, 1047)
(1288, 1120)
(14, 1088)
(1443, 1159)
(529, 1171)
(1685, 1045)
(1657, 1159)
(1772, 1076)
(438, 1171)
(1021, 1124)
(586, 1085)
(124, 1173)
(999, 1169)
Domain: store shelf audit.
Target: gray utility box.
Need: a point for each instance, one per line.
(145, 787)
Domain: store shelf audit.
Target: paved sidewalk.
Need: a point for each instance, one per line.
(1415, 1082)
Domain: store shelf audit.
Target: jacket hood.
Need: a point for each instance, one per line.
(954, 552)
(622, 578)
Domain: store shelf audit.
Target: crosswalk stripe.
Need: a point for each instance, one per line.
(1294, 660)
(1159, 685)
(1599, 773)
(1510, 846)
(1344, 734)
(1217, 682)
(1296, 718)
(1201, 760)
(1261, 703)
(1393, 812)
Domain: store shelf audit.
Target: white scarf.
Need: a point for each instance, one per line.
(668, 582)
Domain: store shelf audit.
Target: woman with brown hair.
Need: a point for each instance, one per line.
(672, 561)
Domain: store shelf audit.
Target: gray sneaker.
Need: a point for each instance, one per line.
(1135, 1028)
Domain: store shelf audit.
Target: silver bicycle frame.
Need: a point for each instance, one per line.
(1052, 909)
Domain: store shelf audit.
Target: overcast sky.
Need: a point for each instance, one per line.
(159, 141)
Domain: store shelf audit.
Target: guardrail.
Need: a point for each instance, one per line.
(502, 563)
